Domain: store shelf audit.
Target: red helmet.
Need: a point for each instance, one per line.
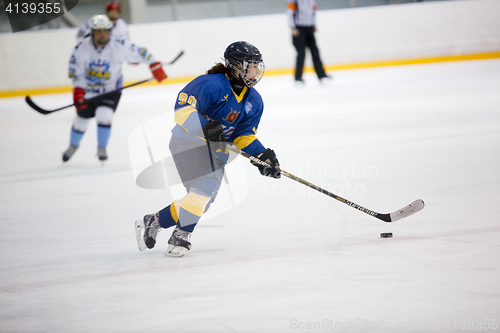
(113, 6)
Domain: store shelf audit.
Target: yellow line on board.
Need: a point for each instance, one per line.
(307, 69)
(464, 57)
(35, 91)
(69, 88)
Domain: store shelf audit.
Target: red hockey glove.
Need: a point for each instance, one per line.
(157, 71)
(78, 96)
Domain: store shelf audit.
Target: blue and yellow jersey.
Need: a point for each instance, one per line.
(210, 97)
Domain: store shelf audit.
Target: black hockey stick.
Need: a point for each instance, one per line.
(406, 211)
(175, 59)
(43, 111)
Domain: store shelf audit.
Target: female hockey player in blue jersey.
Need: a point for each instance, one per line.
(215, 109)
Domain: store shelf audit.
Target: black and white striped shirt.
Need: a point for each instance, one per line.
(301, 13)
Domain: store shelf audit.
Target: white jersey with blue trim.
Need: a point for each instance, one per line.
(99, 70)
(119, 30)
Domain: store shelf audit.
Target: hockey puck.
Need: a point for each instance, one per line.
(386, 235)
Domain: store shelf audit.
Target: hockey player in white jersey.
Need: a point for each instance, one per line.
(119, 29)
(96, 68)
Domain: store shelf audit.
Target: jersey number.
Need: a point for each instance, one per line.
(183, 99)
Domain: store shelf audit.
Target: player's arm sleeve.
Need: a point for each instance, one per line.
(246, 138)
(135, 53)
(190, 120)
(83, 31)
(76, 69)
(190, 102)
(291, 9)
(127, 33)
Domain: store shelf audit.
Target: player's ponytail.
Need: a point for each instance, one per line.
(219, 68)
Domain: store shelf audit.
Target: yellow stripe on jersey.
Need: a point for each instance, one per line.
(244, 141)
(182, 114)
(195, 203)
(240, 97)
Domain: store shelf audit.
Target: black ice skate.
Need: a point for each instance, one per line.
(178, 244)
(68, 153)
(149, 224)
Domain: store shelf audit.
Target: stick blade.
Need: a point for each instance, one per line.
(34, 106)
(411, 209)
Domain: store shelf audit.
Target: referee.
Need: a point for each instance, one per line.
(301, 16)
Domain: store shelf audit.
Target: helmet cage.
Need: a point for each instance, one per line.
(241, 68)
(245, 61)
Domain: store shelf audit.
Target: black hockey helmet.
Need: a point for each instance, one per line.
(239, 56)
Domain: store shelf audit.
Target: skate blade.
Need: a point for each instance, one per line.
(175, 251)
(139, 227)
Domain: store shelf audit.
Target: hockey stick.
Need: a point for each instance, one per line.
(175, 59)
(406, 211)
(43, 111)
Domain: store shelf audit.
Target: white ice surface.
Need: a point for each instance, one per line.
(287, 259)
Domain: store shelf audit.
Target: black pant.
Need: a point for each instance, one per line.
(109, 101)
(306, 38)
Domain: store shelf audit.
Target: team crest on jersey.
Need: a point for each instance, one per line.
(98, 71)
(231, 117)
(248, 107)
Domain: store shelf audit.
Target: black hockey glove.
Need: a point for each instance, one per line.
(269, 157)
(214, 134)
